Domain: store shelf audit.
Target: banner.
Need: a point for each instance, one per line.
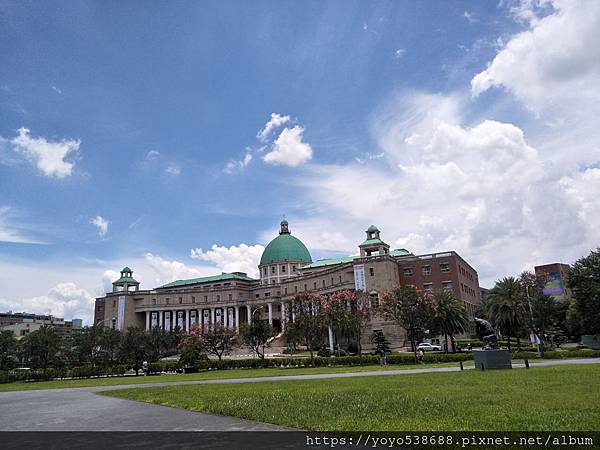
(121, 313)
(359, 277)
(154, 320)
(180, 320)
(219, 315)
(206, 315)
(193, 318)
(167, 320)
(230, 315)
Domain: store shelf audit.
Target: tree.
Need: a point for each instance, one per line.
(41, 346)
(450, 315)
(8, 349)
(309, 320)
(584, 280)
(134, 348)
(380, 342)
(256, 336)
(109, 341)
(506, 308)
(216, 340)
(411, 310)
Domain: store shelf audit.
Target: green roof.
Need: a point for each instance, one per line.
(372, 228)
(372, 241)
(128, 280)
(126, 269)
(329, 262)
(285, 247)
(399, 252)
(222, 277)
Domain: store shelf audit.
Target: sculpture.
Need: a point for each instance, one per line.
(486, 333)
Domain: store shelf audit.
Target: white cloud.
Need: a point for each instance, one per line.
(555, 61)
(101, 223)
(65, 300)
(152, 155)
(9, 230)
(48, 156)
(399, 53)
(480, 189)
(276, 121)
(173, 169)
(470, 18)
(108, 277)
(233, 166)
(241, 258)
(288, 149)
(57, 90)
(165, 270)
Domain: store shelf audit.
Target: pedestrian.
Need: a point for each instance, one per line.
(145, 367)
(469, 347)
(420, 356)
(382, 357)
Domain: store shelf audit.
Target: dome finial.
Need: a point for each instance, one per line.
(284, 227)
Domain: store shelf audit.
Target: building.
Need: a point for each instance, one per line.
(23, 323)
(286, 269)
(556, 275)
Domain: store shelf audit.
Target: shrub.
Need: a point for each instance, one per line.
(324, 352)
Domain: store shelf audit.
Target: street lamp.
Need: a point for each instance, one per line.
(535, 335)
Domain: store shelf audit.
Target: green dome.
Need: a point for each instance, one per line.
(285, 247)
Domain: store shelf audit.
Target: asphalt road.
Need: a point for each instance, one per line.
(80, 409)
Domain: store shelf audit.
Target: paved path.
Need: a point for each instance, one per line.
(80, 409)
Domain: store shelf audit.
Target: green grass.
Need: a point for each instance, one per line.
(209, 375)
(541, 398)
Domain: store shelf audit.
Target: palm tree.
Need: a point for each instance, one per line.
(450, 315)
(506, 308)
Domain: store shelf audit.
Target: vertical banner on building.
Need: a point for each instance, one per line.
(359, 277)
(121, 313)
(193, 318)
(219, 315)
(167, 320)
(206, 317)
(180, 320)
(230, 321)
(154, 320)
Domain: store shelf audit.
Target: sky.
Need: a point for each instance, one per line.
(174, 137)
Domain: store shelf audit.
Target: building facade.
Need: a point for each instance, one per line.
(23, 323)
(286, 269)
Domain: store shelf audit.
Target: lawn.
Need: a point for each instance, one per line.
(209, 375)
(541, 398)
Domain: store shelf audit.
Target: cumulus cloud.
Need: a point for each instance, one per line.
(240, 258)
(49, 156)
(108, 277)
(65, 300)
(481, 189)
(173, 169)
(276, 121)
(556, 60)
(165, 270)
(288, 149)
(101, 223)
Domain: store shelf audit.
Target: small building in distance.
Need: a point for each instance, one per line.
(556, 275)
(23, 323)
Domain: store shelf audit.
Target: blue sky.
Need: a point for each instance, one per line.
(158, 106)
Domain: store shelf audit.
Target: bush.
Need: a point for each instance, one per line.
(559, 354)
(324, 352)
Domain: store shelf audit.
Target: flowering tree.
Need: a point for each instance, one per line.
(411, 309)
(348, 313)
(216, 340)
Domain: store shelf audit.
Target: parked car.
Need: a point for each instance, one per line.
(426, 347)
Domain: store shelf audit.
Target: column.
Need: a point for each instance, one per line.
(249, 314)
(270, 306)
(213, 316)
(283, 316)
(293, 313)
(160, 319)
(147, 320)
(330, 336)
(236, 319)
(187, 320)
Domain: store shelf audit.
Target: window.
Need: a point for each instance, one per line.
(206, 298)
(167, 300)
(267, 294)
(114, 303)
(295, 288)
(218, 297)
(428, 287)
(272, 269)
(180, 300)
(265, 271)
(230, 296)
(285, 291)
(426, 270)
(332, 281)
(193, 299)
(283, 269)
(293, 268)
(305, 288)
(154, 301)
(340, 278)
(371, 271)
(257, 295)
(444, 267)
(447, 285)
(315, 285)
(408, 272)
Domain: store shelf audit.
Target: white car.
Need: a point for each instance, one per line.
(426, 347)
